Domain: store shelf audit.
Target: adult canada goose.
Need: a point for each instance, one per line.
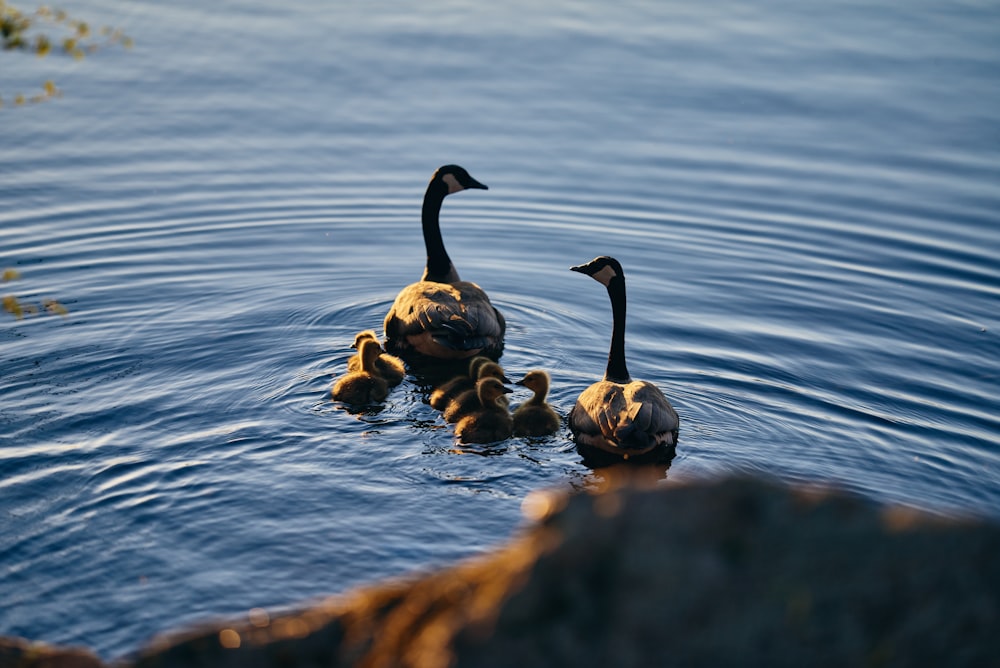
(468, 401)
(535, 417)
(490, 423)
(617, 414)
(442, 316)
(364, 386)
(388, 366)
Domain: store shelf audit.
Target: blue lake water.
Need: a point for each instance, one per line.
(805, 198)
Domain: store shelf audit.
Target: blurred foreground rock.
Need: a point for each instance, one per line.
(25, 654)
(737, 572)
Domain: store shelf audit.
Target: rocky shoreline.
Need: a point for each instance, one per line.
(728, 573)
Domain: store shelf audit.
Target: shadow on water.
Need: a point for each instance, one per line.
(430, 373)
(658, 459)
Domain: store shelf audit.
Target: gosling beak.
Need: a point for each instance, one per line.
(520, 382)
(507, 390)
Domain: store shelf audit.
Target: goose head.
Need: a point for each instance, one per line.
(602, 269)
(456, 179)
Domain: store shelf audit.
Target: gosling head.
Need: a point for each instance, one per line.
(475, 364)
(361, 336)
(490, 389)
(491, 369)
(456, 179)
(602, 269)
(369, 352)
(537, 381)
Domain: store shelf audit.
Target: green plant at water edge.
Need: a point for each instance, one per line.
(19, 309)
(23, 31)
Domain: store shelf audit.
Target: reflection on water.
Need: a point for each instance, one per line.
(805, 204)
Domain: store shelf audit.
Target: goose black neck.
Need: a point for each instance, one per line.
(616, 370)
(439, 267)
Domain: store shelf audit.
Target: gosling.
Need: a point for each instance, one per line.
(468, 401)
(442, 396)
(364, 386)
(389, 366)
(535, 417)
(490, 423)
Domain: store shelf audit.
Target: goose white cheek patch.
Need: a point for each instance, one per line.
(453, 185)
(605, 275)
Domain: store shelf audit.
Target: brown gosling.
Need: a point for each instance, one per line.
(490, 423)
(389, 366)
(442, 395)
(364, 386)
(468, 401)
(535, 417)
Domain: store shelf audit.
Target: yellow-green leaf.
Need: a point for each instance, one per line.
(52, 306)
(12, 306)
(42, 45)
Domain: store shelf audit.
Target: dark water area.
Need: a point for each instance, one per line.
(805, 199)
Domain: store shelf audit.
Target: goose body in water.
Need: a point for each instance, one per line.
(441, 316)
(617, 414)
(535, 417)
(390, 367)
(490, 423)
(364, 386)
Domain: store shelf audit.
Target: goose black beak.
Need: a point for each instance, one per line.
(476, 184)
(581, 268)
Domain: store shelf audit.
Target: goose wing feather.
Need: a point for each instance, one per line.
(457, 316)
(598, 409)
(635, 416)
(651, 412)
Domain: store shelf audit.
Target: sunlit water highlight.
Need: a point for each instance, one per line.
(805, 206)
